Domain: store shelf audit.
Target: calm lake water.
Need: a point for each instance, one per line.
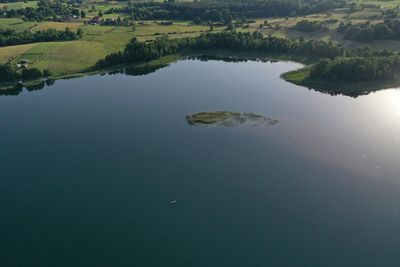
(88, 167)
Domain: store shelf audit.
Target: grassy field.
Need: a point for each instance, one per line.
(16, 24)
(18, 5)
(383, 4)
(34, 54)
(60, 26)
(69, 57)
(10, 52)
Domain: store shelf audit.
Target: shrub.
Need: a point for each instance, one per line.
(31, 74)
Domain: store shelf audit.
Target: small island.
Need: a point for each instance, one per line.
(228, 118)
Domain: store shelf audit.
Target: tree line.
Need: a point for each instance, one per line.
(137, 51)
(309, 26)
(367, 32)
(12, 37)
(46, 10)
(221, 11)
(224, 11)
(357, 68)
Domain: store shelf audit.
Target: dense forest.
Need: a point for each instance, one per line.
(357, 68)
(11, 37)
(366, 32)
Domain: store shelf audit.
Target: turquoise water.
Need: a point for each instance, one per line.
(88, 167)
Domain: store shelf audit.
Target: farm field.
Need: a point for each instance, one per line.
(382, 4)
(18, 5)
(17, 24)
(98, 41)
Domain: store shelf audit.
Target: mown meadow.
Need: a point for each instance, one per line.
(69, 57)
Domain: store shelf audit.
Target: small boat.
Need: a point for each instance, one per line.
(173, 202)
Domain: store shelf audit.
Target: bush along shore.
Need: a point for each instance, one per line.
(12, 80)
(9, 74)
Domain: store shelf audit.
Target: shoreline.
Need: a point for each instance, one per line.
(220, 54)
(300, 76)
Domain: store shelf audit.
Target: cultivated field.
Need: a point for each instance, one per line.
(74, 56)
(18, 5)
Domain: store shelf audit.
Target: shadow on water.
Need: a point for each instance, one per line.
(16, 90)
(31, 86)
(39, 85)
(233, 59)
(351, 89)
(138, 70)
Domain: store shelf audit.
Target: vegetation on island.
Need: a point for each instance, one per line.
(228, 118)
(211, 117)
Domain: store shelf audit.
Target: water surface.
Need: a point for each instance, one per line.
(88, 168)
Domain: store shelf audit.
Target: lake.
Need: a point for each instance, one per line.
(89, 167)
